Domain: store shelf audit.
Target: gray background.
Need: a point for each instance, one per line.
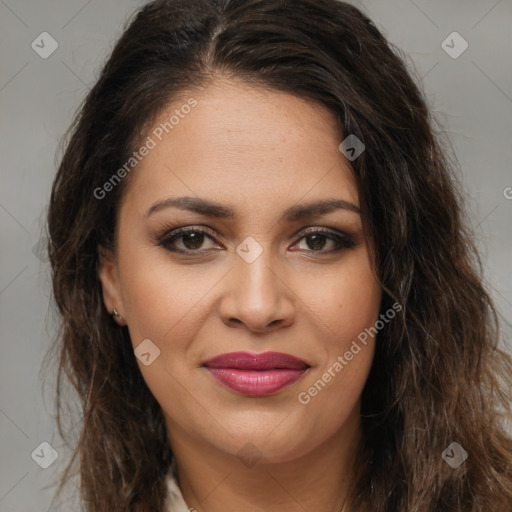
(471, 95)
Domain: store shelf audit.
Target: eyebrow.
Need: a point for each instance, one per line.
(213, 209)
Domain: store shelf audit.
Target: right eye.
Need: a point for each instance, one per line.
(190, 239)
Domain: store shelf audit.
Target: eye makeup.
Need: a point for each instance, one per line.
(172, 236)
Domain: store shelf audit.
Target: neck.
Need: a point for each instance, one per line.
(212, 480)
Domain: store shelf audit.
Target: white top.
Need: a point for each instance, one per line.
(175, 501)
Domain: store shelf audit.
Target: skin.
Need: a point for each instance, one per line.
(257, 152)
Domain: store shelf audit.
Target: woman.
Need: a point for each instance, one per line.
(270, 298)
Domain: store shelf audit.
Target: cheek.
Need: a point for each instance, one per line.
(348, 300)
(349, 307)
(161, 299)
(164, 305)
(329, 401)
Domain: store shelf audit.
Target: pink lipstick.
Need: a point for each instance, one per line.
(256, 374)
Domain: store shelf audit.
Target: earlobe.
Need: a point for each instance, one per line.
(109, 278)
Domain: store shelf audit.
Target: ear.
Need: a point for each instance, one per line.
(108, 275)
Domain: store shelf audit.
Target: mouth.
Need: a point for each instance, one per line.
(256, 374)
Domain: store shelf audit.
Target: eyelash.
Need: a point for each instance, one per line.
(343, 240)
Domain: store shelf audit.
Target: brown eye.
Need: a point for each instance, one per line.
(316, 241)
(187, 241)
(193, 240)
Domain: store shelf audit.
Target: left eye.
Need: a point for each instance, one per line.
(317, 241)
(191, 240)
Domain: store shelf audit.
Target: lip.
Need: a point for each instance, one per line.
(256, 374)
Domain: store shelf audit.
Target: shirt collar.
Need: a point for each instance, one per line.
(175, 501)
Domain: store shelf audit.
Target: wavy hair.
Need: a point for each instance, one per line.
(438, 373)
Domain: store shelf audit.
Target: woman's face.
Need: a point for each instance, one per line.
(256, 279)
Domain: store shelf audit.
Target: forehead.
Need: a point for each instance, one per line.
(242, 145)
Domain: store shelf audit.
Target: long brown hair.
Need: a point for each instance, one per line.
(438, 374)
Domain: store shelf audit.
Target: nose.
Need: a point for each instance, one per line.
(257, 296)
